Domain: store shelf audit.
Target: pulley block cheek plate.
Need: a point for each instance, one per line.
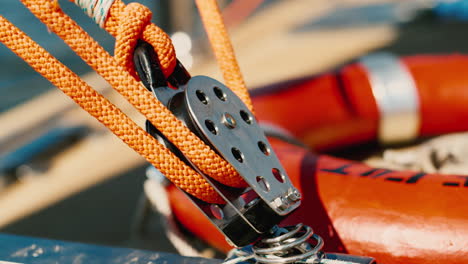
(232, 130)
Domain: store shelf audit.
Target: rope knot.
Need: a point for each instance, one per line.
(128, 23)
(133, 21)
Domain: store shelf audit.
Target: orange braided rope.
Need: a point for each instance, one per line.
(128, 24)
(119, 18)
(106, 113)
(143, 100)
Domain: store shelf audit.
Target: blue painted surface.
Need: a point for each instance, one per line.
(19, 249)
(50, 140)
(452, 9)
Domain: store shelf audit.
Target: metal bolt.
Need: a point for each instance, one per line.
(229, 121)
(285, 203)
(278, 203)
(295, 195)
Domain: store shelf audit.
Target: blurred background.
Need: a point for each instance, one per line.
(275, 40)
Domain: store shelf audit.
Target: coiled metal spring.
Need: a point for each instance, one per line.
(289, 244)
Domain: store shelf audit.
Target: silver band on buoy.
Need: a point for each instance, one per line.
(396, 95)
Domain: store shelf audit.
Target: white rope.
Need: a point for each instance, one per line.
(96, 9)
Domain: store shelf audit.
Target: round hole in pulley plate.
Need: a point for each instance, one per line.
(263, 183)
(211, 127)
(246, 117)
(219, 93)
(237, 154)
(264, 148)
(202, 96)
(216, 211)
(278, 175)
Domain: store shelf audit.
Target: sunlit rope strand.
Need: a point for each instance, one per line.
(96, 9)
(223, 50)
(106, 113)
(92, 53)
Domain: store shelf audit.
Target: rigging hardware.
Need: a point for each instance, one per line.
(251, 214)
